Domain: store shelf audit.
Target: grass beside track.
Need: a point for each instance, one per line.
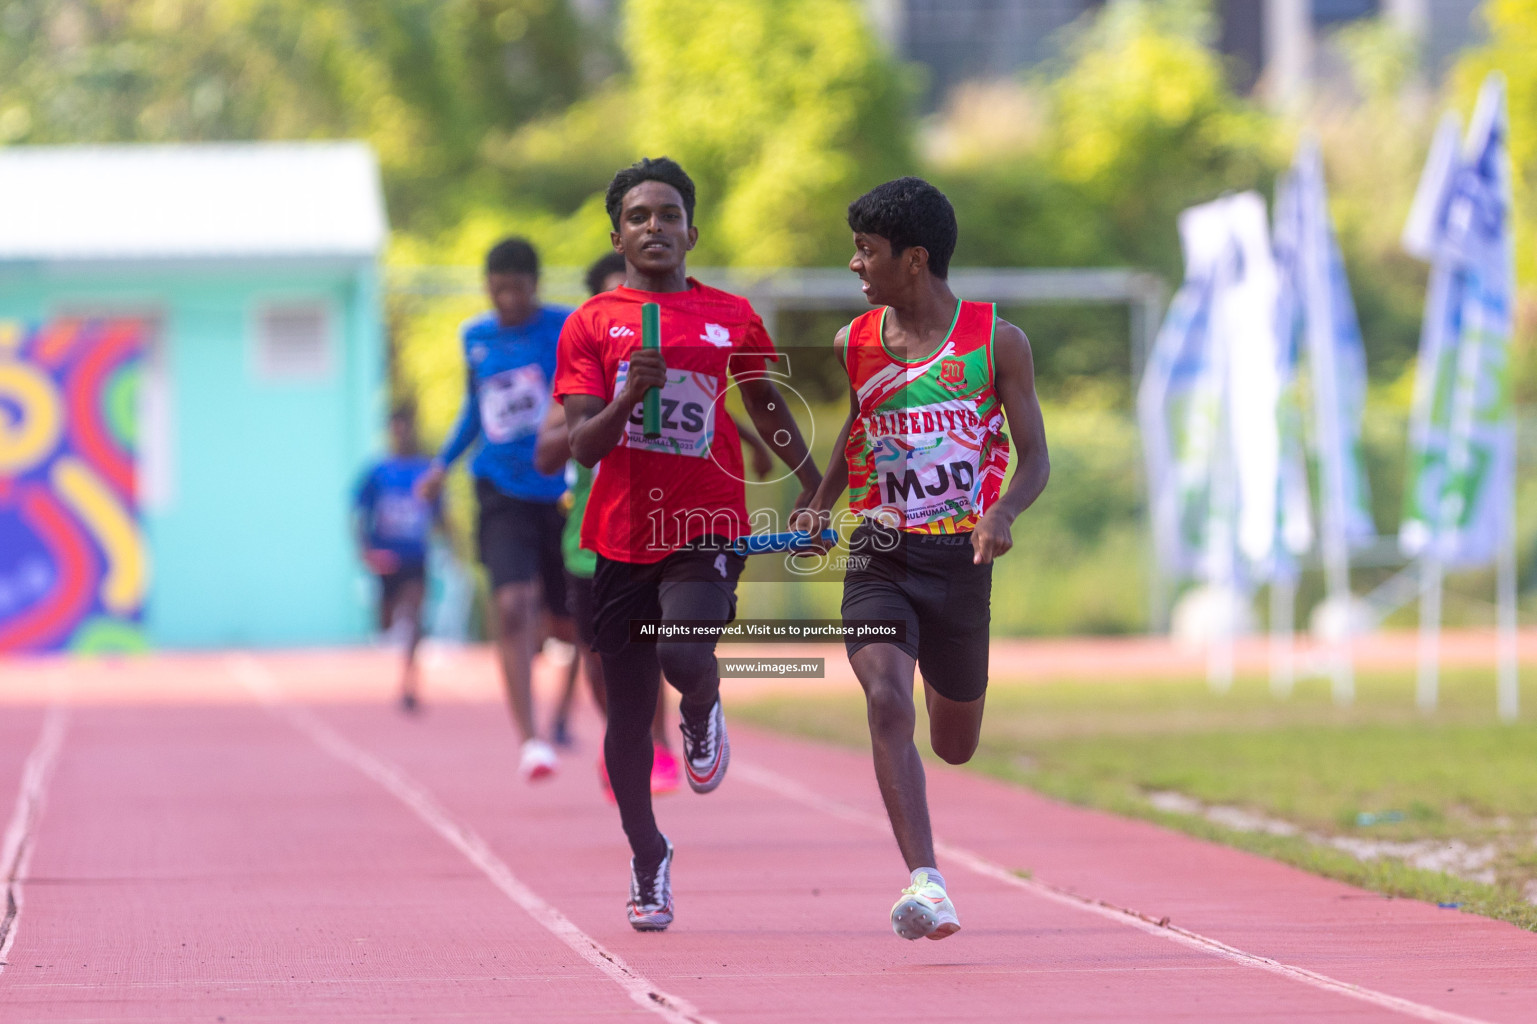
(1457, 788)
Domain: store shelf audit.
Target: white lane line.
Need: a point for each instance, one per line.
(16, 849)
(792, 790)
(264, 686)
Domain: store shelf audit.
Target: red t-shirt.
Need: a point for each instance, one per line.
(652, 497)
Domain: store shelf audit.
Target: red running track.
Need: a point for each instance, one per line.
(259, 854)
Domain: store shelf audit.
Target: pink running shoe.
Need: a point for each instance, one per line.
(664, 771)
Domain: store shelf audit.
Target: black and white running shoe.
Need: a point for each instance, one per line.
(706, 749)
(650, 906)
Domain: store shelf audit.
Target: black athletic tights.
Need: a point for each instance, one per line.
(632, 678)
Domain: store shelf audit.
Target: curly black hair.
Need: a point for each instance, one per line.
(610, 263)
(512, 256)
(646, 169)
(908, 212)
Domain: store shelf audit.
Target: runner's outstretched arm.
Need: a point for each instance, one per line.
(553, 447)
(1014, 380)
(466, 430)
(772, 420)
(593, 426)
(440, 522)
(833, 484)
(837, 478)
(762, 458)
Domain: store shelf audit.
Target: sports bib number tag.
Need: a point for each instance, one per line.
(922, 477)
(400, 517)
(513, 403)
(688, 414)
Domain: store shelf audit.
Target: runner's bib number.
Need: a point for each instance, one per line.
(400, 517)
(688, 414)
(922, 478)
(513, 403)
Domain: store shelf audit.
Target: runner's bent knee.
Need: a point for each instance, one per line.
(515, 603)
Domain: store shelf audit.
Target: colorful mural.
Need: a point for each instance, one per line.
(73, 569)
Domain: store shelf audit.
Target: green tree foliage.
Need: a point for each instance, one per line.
(1145, 124)
(1090, 163)
(1136, 124)
(782, 111)
(1374, 145)
(430, 83)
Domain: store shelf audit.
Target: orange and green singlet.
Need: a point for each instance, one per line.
(927, 452)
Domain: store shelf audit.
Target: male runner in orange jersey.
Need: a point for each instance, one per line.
(932, 383)
(664, 510)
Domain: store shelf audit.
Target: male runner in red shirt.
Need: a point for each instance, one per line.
(932, 383)
(664, 510)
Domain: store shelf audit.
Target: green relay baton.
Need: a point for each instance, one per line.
(651, 337)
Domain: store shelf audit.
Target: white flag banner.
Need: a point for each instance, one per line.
(1462, 436)
(1294, 505)
(1296, 531)
(1243, 334)
(1214, 364)
(1316, 315)
(1171, 384)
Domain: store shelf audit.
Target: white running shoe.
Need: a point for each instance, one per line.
(537, 760)
(924, 911)
(650, 906)
(706, 749)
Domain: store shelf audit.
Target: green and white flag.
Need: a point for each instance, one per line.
(1316, 316)
(1462, 434)
(1207, 401)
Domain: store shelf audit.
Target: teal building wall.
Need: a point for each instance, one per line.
(247, 523)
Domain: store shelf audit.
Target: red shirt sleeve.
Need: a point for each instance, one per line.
(579, 359)
(757, 348)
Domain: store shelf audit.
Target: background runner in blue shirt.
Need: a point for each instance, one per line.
(393, 527)
(509, 356)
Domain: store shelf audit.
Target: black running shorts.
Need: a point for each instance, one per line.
(581, 603)
(623, 590)
(930, 583)
(520, 541)
(393, 582)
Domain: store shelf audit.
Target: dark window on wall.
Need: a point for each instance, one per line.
(959, 40)
(293, 342)
(1334, 12)
(1242, 41)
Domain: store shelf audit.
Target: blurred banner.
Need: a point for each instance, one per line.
(1315, 310)
(73, 569)
(1221, 407)
(1462, 434)
(1207, 402)
(1173, 384)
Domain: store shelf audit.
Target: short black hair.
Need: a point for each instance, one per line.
(513, 256)
(909, 212)
(660, 169)
(611, 263)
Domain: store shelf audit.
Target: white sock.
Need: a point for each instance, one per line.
(933, 873)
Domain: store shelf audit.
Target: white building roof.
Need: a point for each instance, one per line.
(192, 201)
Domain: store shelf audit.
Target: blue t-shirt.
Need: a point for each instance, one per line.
(510, 375)
(394, 518)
